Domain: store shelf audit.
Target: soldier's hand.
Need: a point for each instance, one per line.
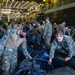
(30, 57)
(50, 61)
(43, 37)
(67, 58)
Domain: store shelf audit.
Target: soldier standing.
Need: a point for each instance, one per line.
(12, 41)
(62, 27)
(48, 32)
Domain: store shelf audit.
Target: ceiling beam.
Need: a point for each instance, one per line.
(11, 4)
(24, 4)
(27, 5)
(15, 4)
(19, 5)
(6, 3)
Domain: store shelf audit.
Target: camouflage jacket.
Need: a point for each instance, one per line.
(67, 44)
(5, 39)
(48, 29)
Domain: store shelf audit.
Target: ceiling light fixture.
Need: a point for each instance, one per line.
(44, 0)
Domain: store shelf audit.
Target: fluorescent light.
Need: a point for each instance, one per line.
(5, 11)
(44, 0)
(13, 0)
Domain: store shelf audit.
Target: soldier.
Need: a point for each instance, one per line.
(47, 32)
(68, 31)
(62, 27)
(65, 42)
(18, 26)
(12, 41)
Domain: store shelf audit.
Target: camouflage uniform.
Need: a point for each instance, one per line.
(62, 28)
(4, 39)
(48, 32)
(9, 61)
(67, 44)
(67, 31)
(11, 42)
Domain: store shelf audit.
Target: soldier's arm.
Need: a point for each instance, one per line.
(45, 30)
(24, 49)
(70, 46)
(52, 50)
(73, 34)
(50, 28)
(68, 31)
(10, 31)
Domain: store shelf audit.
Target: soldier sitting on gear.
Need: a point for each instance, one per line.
(64, 42)
(12, 41)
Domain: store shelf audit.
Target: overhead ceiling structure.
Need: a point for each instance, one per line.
(18, 7)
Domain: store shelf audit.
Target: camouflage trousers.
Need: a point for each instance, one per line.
(9, 61)
(47, 41)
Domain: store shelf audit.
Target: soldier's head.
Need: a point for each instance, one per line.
(18, 24)
(59, 36)
(22, 32)
(47, 19)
